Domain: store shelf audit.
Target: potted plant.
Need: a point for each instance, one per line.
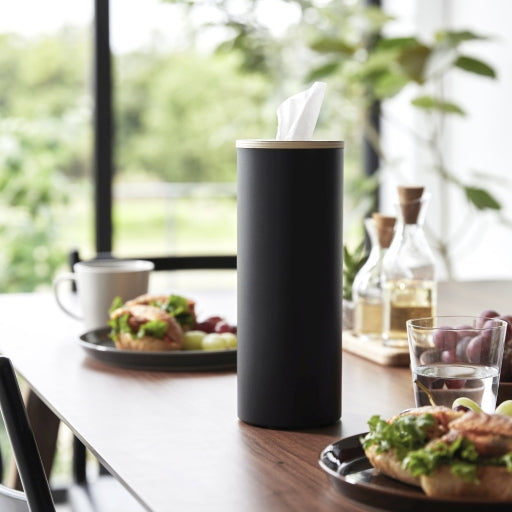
(372, 68)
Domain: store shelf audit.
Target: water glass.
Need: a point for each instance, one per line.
(454, 357)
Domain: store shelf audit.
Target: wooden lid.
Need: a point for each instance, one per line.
(289, 144)
(410, 203)
(385, 229)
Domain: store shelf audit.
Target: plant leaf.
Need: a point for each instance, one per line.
(392, 43)
(389, 84)
(454, 38)
(332, 44)
(430, 103)
(481, 198)
(475, 66)
(322, 71)
(413, 61)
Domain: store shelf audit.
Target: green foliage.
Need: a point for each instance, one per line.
(198, 106)
(352, 263)
(178, 113)
(378, 68)
(31, 191)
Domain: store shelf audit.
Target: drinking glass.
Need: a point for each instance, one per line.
(456, 356)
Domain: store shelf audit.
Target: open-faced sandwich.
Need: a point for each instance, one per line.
(448, 453)
(151, 322)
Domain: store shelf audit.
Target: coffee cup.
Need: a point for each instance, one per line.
(98, 283)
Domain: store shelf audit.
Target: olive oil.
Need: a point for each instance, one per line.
(405, 299)
(368, 317)
(409, 283)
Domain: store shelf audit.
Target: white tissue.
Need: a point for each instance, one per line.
(297, 115)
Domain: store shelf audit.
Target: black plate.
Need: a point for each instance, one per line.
(99, 346)
(351, 474)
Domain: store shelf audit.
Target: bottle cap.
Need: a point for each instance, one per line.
(385, 228)
(410, 203)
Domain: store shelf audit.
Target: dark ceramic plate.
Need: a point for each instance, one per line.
(98, 345)
(353, 476)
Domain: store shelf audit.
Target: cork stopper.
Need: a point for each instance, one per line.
(385, 229)
(410, 203)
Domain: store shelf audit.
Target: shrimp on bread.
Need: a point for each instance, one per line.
(448, 453)
(181, 308)
(143, 327)
(388, 442)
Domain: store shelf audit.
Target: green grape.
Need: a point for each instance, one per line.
(504, 408)
(213, 341)
(230, 339)
(192, 340)
(466, 403)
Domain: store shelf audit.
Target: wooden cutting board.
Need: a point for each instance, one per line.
(375, 351)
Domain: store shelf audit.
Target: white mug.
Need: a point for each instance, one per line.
(98, 283)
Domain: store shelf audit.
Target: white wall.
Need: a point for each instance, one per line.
(479, 143)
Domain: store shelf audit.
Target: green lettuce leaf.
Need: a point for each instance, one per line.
(178, 307)
(154, 328)
(118, 325)
(405, 434)
(116, 303)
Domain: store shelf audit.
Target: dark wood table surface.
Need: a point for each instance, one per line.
(174, 439)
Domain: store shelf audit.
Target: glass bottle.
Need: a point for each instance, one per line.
(367, 286)
(409, 283)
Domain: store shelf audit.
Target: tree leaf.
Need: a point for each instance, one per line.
(322, 71)
(392, 43)
(475, 66)
(413, 61)
(454, 38)
(388, 84)
(332, 45)
(481, 198)
(431, 103)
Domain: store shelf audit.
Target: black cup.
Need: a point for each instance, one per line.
(289, 282)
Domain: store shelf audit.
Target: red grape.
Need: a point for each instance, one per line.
(508, 319)
(222, 326)
(464, 330)
(460, 349)
(208, 325)
(455, 383)
(487, 332)
(478, 349)
(445, 338)
(484, 315)
(448, 356)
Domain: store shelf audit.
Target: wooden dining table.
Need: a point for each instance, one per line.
(173, 439)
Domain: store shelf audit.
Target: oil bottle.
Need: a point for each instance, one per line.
(367, 286)
(409, 281)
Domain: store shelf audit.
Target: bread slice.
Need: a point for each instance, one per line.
(493, 483)
(388, 463)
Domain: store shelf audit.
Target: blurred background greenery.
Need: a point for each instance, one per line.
(178, 111)
(181, 99)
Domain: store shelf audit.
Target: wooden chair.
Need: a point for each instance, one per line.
(37, 496)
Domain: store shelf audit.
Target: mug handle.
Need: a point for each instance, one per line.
(69, 276)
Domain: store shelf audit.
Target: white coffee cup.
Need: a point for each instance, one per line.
(98, 283)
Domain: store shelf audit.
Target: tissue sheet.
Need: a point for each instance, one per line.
(297, 115)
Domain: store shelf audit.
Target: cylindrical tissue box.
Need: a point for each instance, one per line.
(289, 282)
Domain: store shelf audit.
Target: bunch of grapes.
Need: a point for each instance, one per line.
(212, 333)
(506, 367)
(215, 324)
(462, 345)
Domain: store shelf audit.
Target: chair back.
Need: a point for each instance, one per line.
(37, 495)
(12, 500)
